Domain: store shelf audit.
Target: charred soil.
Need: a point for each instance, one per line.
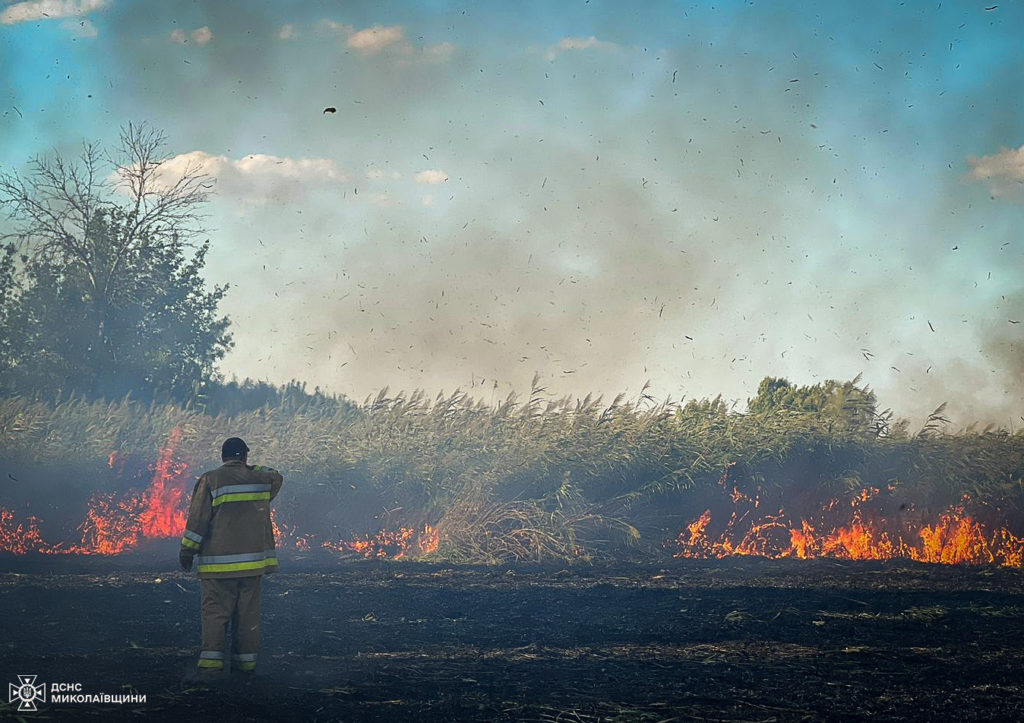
(738, 639)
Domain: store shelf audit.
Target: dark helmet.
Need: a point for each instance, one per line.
(234, 448)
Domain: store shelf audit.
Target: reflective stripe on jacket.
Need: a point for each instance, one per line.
(229, 521)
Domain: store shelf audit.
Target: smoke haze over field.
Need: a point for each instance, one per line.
(693, 195)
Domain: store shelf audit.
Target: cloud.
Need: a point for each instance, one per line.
(376, 174)
(574, 43)
(1004, 171)
(318, 169)
(200, 36)
(256, 177)
(431, 177)
(48, 9)
(438, 53)
(287, 32)
(388, 40)
(337, 28)
(376, 39)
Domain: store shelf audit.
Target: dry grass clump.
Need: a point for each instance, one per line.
(483, 530)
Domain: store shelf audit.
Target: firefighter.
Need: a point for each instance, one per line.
(229, 529)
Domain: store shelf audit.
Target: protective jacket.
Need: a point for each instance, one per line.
(229, 521)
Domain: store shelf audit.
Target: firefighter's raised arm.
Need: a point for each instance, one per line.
(272, 476)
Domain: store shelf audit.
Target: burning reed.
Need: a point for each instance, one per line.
(547, 479)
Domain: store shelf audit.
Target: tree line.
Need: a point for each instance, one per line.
(101, 287)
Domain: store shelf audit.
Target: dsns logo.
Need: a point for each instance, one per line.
(26, 692)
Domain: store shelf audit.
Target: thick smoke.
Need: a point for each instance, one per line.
(760, 196)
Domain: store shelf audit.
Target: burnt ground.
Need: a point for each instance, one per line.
(740, 639)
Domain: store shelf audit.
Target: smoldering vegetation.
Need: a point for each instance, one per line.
(551, 479)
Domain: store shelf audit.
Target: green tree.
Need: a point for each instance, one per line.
(107, 297)
(843, 406)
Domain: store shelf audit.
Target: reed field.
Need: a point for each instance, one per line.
(537, 478)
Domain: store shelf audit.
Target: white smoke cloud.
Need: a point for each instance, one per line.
(1004, 171)
(310, 169)
(200, 36)
(257, 177)
(431, 177)
(336, 28)
(48, 9)
(575, 43)
(376, 39)
(287, 32)
(388, 40)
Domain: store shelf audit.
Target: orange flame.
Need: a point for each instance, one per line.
(17, 537)
(116, 522)
(286, 535)
(956, 538)
(111, 526)
(391, 544)
(165, 507)
(119, 522)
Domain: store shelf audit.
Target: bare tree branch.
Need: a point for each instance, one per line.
(163, 210)
(56, 203)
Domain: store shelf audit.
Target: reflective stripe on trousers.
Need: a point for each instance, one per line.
(211, 659)
(235, 600)
(243, 661)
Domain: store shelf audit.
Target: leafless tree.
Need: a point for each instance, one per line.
(107, 230)
(54, 205)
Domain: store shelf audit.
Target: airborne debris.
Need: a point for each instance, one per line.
(330, 109)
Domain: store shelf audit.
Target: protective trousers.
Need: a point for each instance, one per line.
(237, 600)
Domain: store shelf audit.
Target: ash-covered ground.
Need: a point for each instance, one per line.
(737, 639)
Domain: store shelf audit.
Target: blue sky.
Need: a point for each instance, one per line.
(698, 195)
